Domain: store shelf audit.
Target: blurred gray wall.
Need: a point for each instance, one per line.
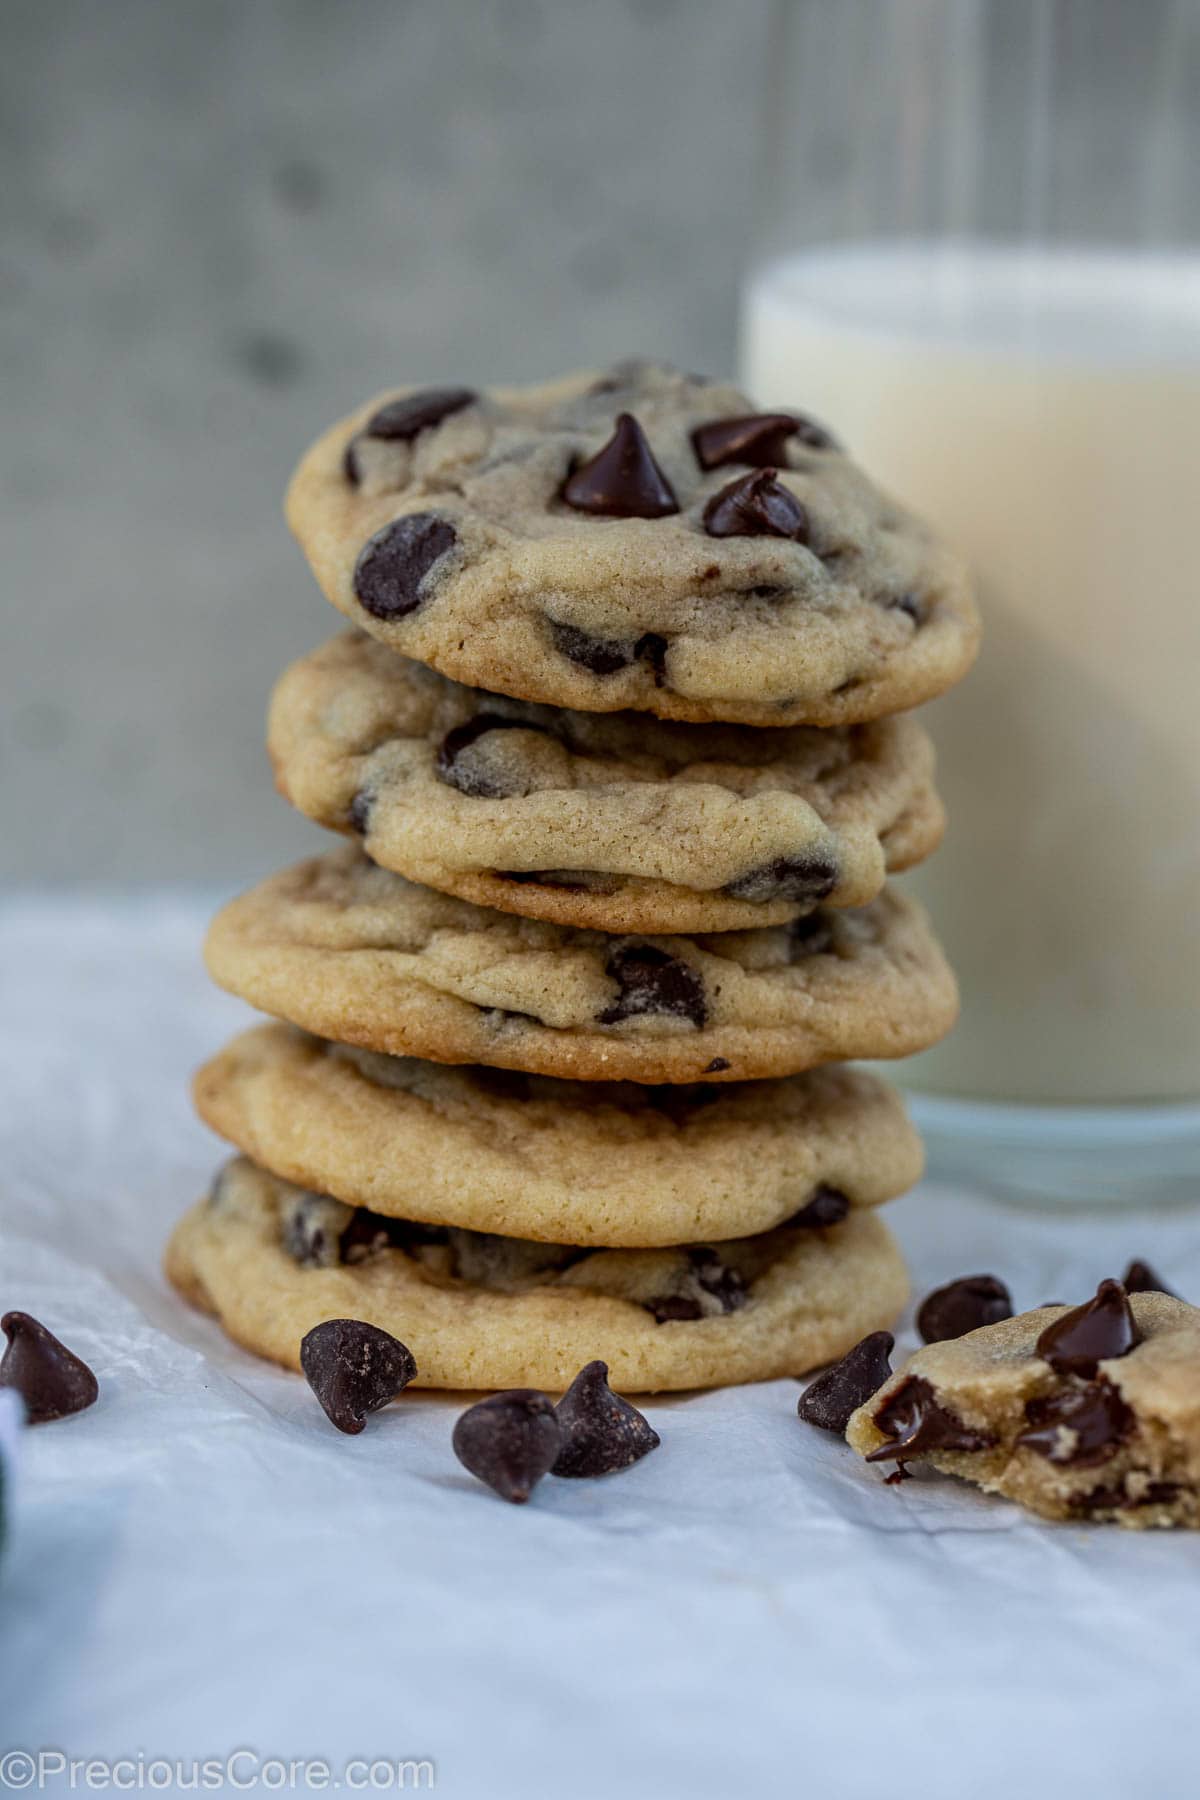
(223, 223)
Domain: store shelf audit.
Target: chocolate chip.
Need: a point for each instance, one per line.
(917, 1423)
(827, 1206)
(312, 1231)
(1103, 1327)
(570, 881)
(606, 656)
(601, 1433)
(359, 815)
(717, 1278)
(1095, 1416)
(811, 935)
(1118, 1499)
(717, 1065)
(413, 413)
(832, 1397)
(622, 480)
(354, 1368)
(51, 1379)
(756, 506)
(704, 1280)
(404, 420)
(509, 1441)
(651, 981)
(804, 880)
(669, 1309)
(759, 439)
(468, 776)
(961, 1306)
(393, 565)
(1140, 1278)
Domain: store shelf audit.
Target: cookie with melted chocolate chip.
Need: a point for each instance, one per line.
(640, 539)
(357, 954)
(611, 820)
(476, 1310)
(1085, 1412)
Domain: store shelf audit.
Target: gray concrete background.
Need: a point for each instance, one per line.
(222, 222)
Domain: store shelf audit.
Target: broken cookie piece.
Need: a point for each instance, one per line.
(1088, 1412)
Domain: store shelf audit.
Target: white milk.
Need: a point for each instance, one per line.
(1045, 412)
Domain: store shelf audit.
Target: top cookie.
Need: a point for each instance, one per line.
(640, 539)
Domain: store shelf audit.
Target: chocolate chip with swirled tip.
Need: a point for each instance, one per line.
(756, 506)
(757, 439)
(601, 1433)
(961, 1306)
(51, 1380)
(509, 1441)
(354, 1369)
(1101, 1329)
(829, 1400)
(622, 480)
(1140, 1278)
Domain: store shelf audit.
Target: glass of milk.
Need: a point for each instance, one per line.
(981, 265)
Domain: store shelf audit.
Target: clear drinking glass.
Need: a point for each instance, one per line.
(980, 261)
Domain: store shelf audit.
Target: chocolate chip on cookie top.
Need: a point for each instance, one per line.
(1103, 1328)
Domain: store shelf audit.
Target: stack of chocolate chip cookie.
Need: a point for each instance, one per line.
(621, 747)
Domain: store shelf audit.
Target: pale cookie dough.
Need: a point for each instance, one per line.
(1117, 1439)
(487, 1312)
(564, 1161)
(458, 529)
(354, 953)
(612, 820)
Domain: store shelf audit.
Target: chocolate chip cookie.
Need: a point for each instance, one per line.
(612, 820)
(635, 539)
(357, 954)
(1088, 1412)
(478, 1311)
(564, 1161)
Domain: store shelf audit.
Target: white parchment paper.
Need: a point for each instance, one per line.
(201, 1564)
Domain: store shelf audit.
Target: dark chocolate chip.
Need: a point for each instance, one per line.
(509, 1441)
(917, 1422)
(717, 1278)
(51, 1379)
(1103, 1327)
(393, 565)
(804, 880)
(1117, 1499)
(601, 1433)
(602, 656)
(467, 775)
(569, 881)
(756, 506)
(757, 439)
(354, 1368)
(669, 1309)
(717, 1066)
(1095, 1415)
(369, 1232)
(811, 935)
(359, 816)
(622, 480)
(827, 1206)
(651, 981)
(961, 1306)
(832, 1397)
(606, 656)
(1140, 1278)
(407, 417)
